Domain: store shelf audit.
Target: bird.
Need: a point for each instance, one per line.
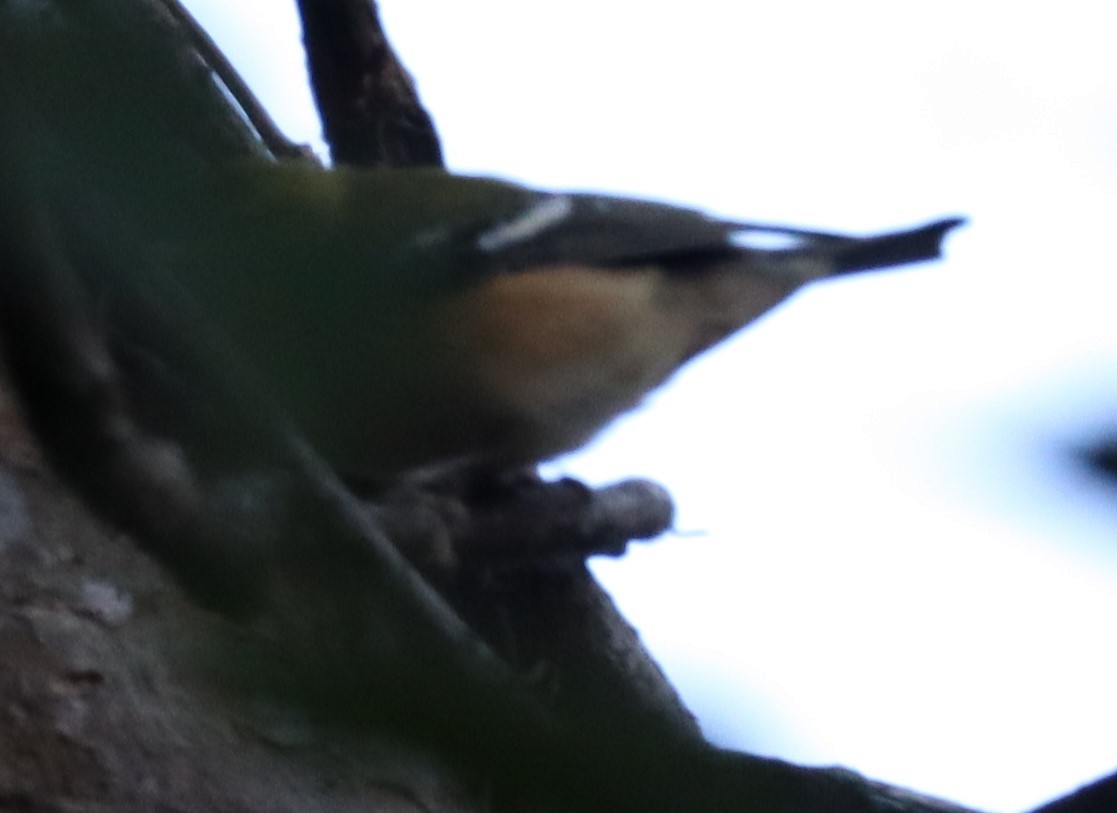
(404, 319)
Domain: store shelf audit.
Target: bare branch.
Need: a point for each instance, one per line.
(1097, 797)
(370, 109)
(270, 133)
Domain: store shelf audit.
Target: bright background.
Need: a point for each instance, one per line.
(888, 555)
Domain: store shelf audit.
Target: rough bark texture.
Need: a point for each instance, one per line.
(106, 703)
(116, 697)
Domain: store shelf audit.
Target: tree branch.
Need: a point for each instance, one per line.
(370, 109)
(273, 137)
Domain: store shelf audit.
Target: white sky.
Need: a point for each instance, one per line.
(889, 560)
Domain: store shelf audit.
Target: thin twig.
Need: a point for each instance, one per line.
(269, 131)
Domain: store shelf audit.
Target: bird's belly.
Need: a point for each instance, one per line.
(562, 351)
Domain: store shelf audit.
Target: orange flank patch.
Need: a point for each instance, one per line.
(569, 346)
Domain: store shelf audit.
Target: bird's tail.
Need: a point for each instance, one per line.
(897, 248)
(845, 254)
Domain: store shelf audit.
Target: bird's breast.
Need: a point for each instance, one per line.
(567, 348)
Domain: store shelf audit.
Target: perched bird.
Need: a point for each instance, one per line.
(403, 318)
(474, 320)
